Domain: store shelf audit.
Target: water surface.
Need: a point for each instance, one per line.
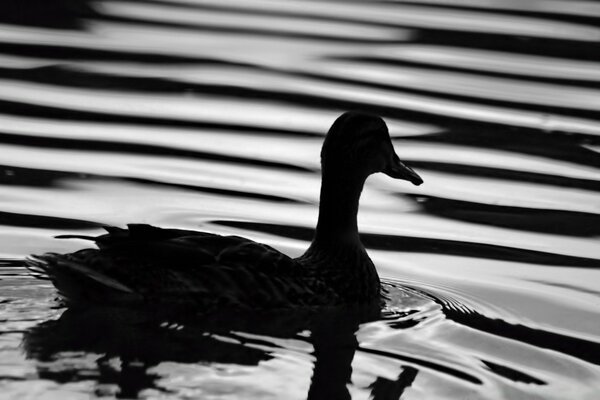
(209, 115)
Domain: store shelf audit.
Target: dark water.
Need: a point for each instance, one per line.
(210, 114)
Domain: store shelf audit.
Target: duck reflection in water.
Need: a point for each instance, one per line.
(139, 340)
(145, 267)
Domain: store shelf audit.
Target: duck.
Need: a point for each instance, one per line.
(147, 266)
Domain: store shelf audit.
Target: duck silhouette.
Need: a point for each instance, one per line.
(145, 265)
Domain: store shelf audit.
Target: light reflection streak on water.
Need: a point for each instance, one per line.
(576, 7)
(234, 20)
(270, 147)
(194, 108)
(495, 61)
(415, 16)
(515, 91)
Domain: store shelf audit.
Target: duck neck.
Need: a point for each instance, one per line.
(338, 209)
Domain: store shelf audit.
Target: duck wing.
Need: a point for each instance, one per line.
(149, 265)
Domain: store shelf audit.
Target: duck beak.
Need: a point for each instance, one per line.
(397, 170)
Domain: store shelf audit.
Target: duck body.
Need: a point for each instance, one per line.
(153, 267)
(144, 265)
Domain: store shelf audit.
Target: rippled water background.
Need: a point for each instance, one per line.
(206, 114)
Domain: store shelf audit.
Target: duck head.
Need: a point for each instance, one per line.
(358, 145)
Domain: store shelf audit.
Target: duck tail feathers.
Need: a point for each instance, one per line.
(37, 267)
(76, 281)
